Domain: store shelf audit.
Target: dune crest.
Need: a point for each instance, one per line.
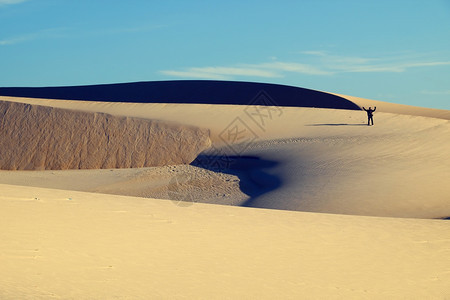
(34, 137)
(189, 91)
(401, 109)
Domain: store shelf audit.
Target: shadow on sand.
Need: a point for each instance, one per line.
(189, 91)
(251, 171)
(343, 124)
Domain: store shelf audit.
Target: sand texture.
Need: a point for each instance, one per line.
(34, 137)
(399, 108)
(60, 244)
(292, 158)
(272, 202)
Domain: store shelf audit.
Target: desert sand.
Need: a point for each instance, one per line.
(35, 137)
(287, 202)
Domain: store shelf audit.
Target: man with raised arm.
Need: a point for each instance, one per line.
(370, 112)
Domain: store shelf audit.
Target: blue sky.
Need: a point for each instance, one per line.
(390, 50)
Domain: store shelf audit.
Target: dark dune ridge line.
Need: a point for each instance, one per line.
(34, 137)
(189, 91)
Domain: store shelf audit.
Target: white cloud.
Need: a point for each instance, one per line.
(294, 67)
(6, 2)
(265, 70)
(348, 68)
(317, 63)
(19, 39)
(329, 58)
(393, 67)
(222, 72)
(400, 67)
(42, 34)
(355, 64)
(236, 71)
(194, 74)
(64, 32)
(120, 30)
(314, 52)
(428, 64)
(444, 93)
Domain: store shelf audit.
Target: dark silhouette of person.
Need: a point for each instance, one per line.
(370, 112)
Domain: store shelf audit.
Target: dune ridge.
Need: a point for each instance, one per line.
(189, 91)
(401, 109)
(58, 241)
(34, 137)
(322, 160)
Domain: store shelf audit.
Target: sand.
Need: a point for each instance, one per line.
(34, 137)
(308, 196)
(305, 159)
(60, 244)
(399, 108)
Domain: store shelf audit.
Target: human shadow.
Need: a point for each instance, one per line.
(254, 180)
(339, 124)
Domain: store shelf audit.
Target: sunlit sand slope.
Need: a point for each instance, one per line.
(58, 243)
(71, 245)
(34, 137)
(306, 159)
(399, 108)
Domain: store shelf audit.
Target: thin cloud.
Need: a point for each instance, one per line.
(42, 34)
(237, 71)
(428, 64)
(66, 32)
(124, 30)
(19, 39)
(353, 64)
(8, 2)
(263, 70)
(321, 64)
(221, 72)
(194, 74)
(13, 41)
(295, 68)
(394, 68)
(337, 59)
(442, 93)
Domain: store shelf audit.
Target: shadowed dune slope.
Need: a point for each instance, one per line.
(34, 137)
(190, 91)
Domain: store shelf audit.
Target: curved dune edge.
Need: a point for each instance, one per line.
(34, 137)
(68, 244)
(399, 108)
(324, 160)
(190, 92)
(320, 160)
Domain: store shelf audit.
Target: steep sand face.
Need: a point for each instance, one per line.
(34, 137)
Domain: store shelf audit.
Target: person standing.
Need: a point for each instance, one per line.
(370, 112)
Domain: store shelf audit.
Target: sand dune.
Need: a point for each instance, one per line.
(72, 245)
(35, 138)
(399, 108)
(319, 160)
(189, 92)
(68, 233)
